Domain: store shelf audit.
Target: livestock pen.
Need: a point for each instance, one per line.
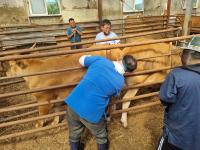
(25, 111)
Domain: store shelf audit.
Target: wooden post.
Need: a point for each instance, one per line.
(100, 13)
(187, 20)
(168, 11)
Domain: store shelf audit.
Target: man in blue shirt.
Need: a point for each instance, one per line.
(88, 101)
(74, 33)
(180, 93)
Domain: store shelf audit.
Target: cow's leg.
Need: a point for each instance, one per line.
(130, 93)
(58, 108)
(43, 110)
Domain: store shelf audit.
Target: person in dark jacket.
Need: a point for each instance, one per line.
(180, 94)
(88, 101)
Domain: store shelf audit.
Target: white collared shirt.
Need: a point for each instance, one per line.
(119, 67)
(101, 36)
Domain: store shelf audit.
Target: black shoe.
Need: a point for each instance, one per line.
(103, 146)
(76, 146)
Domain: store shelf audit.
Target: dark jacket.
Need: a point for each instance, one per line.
(181, 94)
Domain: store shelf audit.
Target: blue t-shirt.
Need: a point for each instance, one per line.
(181, 93)
(77, 36)
(90, 97)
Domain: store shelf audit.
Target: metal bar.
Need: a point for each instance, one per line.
(135, 98)
(18, 116)
(146, 72)
(62, 34)
(136, 107)
(143, 25)
(6, 95)
(24, 103)
(95, 49)
(60, 28)
(30, 106)
(36, 90)
(61, 100)
(148, 21)
(132, 31)
(86, 42)
(76, 68)
(11, 82)
(32, 131)
(41, 73)
(143, 85)
(65, 124)
(63, 112)
(145, 29)
(31, 119)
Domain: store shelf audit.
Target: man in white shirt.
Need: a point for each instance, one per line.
(106, 33)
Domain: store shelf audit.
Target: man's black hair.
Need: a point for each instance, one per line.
(71, 19)
(129, 63)
(105, 22)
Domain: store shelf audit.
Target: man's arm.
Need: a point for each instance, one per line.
(70, 36)
(168, 90)
(82, 59)
(69, 33)
(78, 29)
(87, 60)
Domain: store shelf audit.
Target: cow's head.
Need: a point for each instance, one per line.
(16, 67)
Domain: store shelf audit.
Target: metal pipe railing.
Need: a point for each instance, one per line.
(48, 54)
(7, 124)
(19, 116)
(86, 42)
(135, 98)
(61, 100)
(76, 68)
(13, 135)
(6, 95)
(136, 107)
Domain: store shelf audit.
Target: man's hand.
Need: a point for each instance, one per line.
(74, 30)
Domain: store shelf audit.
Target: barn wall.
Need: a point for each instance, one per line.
(13, 12)
(157, 7)
(112, 10)
(81, 10)
(17, 11)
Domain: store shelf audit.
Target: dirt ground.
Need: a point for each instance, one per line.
(145, 127)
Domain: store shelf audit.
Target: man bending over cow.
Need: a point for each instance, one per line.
(106, 33)
(180, 93)
(88, 101)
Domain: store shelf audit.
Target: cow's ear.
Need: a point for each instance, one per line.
(21, 64)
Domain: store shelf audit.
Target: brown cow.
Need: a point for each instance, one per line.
(54, 63)
(34, 65)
